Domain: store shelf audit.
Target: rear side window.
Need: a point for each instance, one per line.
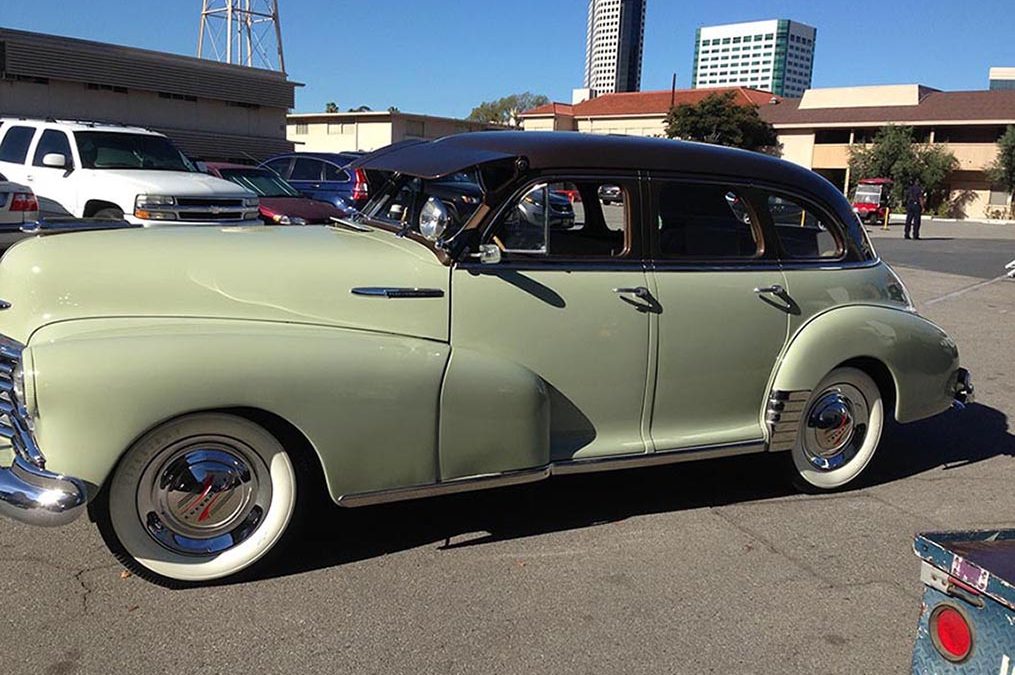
(802, 231)
(52, 141)
(697, 221)
(306, 169)
(14, 147)
(333, 173)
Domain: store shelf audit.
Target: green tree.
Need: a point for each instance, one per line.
(720, 120)
(505, 110)
(1001, 171)
(895, 154)
(331, 107)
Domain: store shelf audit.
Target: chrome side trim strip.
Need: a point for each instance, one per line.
(392, 292)
(563, 468)
(467, 484)
(782, 415)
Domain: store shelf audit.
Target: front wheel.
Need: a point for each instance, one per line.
(111, 213)
(840, 430)
(199, 498)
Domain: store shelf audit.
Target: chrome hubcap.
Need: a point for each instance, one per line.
(836, 426)
(203, 495)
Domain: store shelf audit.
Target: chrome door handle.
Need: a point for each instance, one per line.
(637, 291)
(774, 289)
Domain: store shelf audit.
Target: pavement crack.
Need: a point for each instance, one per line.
(770, 545)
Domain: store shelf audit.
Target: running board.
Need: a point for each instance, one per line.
(563, 468)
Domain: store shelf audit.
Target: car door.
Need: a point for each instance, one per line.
(54, 186)
(305, 176)
(567, 301)
(336, 185)
(723, 319)
(14, 147)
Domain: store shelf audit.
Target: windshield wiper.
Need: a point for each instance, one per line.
(349, 224)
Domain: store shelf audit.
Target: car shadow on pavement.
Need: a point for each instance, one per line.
(337, 536)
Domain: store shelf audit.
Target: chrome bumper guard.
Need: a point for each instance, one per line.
(964, 391)
(28, 492)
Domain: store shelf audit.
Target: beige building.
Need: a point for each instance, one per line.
(212, 110)
(817, 130)
(366, 131)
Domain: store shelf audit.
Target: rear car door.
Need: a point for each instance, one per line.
(305, 175)
(723, 314)
(14, 145)
(336, 185)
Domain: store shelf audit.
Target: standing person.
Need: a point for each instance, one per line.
(914, 208)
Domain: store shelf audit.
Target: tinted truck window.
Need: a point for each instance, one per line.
(14, 147)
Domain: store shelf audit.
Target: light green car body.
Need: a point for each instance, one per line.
(507, 375)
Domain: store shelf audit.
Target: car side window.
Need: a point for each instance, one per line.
(14, 147)
(279, 166)
(305, 168)
(50, 142)
(704, 221)
(334, 173)
(801, 230)
(567, 219)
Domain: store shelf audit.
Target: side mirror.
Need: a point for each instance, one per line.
(55, 160)
(489, 254)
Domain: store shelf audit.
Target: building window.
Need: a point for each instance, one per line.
(302, 129)
(106, 87)
(998, 197)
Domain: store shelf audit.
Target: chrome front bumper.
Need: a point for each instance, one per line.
(39, 497)
(28, 492)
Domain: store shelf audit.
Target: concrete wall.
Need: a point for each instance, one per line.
(632, 126)
(798, 148)
(339, 132)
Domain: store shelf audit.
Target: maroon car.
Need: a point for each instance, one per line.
(281, 203)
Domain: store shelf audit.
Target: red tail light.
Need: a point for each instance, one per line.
(24, 201)
(950, 633)
(360, 189)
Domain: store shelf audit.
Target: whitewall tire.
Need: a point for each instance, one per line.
(839, 431)
(199, 498)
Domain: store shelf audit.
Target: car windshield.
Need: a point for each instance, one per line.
(400, 202)
(867, 195)
(119, 150)
(263, 182)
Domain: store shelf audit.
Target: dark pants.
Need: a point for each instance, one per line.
(913, 217)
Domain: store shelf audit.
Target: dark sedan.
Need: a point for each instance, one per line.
(281, 203)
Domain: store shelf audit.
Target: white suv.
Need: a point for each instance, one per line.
(94, 170)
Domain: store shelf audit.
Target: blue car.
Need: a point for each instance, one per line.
(323, 176)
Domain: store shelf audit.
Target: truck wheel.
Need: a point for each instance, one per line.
(108, 214)
(839, 431)
(199, 498)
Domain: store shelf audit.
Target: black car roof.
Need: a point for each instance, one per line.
(575, 150)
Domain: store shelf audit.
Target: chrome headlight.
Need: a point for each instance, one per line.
(251, 201)
(433, 219)
(288, 220)
(153, 201)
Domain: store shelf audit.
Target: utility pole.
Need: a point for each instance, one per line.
(241, 32)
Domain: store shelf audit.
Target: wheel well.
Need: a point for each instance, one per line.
(304, 456)
(882, 377)
(95, 205)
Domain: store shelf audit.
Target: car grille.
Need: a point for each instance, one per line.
(199, 209)
(14, 421)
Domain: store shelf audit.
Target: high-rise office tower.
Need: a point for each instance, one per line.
(775, 55)
(613, 45)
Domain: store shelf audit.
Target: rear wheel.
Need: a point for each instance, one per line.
(199, 498)
(840, 430)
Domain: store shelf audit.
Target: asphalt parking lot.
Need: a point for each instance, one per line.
(708, 567)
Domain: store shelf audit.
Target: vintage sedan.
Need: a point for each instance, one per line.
(199, 388)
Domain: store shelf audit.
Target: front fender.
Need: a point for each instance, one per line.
(367, 402)
(920, 357)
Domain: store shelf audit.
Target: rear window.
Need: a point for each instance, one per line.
(802, 230)
(14, 147)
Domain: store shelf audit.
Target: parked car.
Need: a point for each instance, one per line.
(281, 203)
(324, 176)
(398, 357)
(18, 206)
(95, 170)
(610, 194)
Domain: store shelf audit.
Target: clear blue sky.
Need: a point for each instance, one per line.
(444, 56)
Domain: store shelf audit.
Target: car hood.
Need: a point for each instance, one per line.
(174, 183)
(286, 274)
(311, 210)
